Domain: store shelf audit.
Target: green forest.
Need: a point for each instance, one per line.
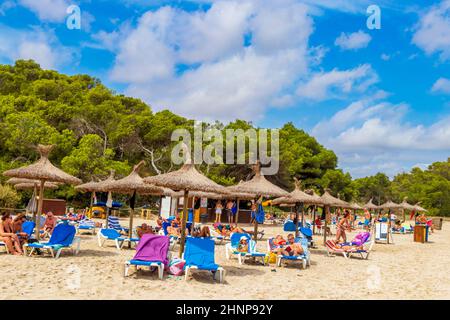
(96, 130)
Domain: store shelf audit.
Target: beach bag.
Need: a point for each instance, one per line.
(271, 258)
(176, 267)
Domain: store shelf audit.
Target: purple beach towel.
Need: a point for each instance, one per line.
(153, 247)
(361, 238)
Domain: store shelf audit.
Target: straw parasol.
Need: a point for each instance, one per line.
(259, 186)
(32, 185)
(355, 206)
(419, 208)
(296, 197)
(132, 184)
(390, 205)
(42, 170)
(370, 205)
(406, 206)
(187, 178)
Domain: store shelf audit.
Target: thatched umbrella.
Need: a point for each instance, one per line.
(31, 185)
(42, 170)
(297, 197)
(187, 178)
(389, 205)
(406, 206)
(259, 186)
(370, 205)
(419, 208)
(355, 206)
(133, 184)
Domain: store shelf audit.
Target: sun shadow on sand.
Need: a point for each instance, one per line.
(96, 253)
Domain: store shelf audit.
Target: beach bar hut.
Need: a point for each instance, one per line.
(259, 186)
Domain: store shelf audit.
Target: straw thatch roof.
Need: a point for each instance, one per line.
(405, 205)
(331, 201)
(355, 206)
(199, 194)
(186, 178)
(14, 181)
(390, 205)
(32, 185)
(259, 185)
(297, 196)
(370, 205)
(43, 169)
(315, 196)
(419, 208)
(132, 183)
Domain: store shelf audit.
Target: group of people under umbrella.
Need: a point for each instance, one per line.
(186, 181)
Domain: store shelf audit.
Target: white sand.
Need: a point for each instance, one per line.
(404, 270)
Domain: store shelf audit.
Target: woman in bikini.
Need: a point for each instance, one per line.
(8, 236)
(17, 228)
(342, 226)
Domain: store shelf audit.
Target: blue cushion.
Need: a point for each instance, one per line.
(143, 263)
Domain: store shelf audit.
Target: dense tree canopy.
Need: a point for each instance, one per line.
(96, 130)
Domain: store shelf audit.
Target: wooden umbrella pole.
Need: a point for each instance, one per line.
(237, 211)
(34, 202)
(91, 204)
(255, 229)
(314, 219)
(303, 214)
(325, 208)
(39, 209)
(296, 220)
(183, 223)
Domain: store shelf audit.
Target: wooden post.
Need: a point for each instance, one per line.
(314, 219)
(302, 207)
(255, 230)
(325, 208)
(39, 209)
(237, 211)
(183, 222)
(296, 220)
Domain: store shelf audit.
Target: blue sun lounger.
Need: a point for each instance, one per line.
(113, 223)
(63, 237)
(199, 255)
(304, 258)
(231, 248)
(111, 234)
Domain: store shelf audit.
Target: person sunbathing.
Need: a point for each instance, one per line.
(144, 229)
(17, 228)
(203, 233)
(243, 245)
(173, 229)
(50, 223)
(278, 244)
(347, 246)
(292, 248)
(8, 236)
(398, 226)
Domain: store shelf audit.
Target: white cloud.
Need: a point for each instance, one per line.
(432, 32)
(5, 6)
(370, 136)
(47, 10)
(335, 83)
(39, 45)
(353, 41)
(442, 85)
(197, 64)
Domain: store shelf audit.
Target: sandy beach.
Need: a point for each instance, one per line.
(403, 270)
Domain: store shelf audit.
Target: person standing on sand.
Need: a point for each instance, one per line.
(229, 208)
(219, 208)
(343, 225)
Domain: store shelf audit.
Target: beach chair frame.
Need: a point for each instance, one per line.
(304, 258)
(231, 251)
(161, 266)
(332, 250)
(51, 248)
(220, 270)
(2, 244)
(119, 242)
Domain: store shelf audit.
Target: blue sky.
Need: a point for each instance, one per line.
(378, 98)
